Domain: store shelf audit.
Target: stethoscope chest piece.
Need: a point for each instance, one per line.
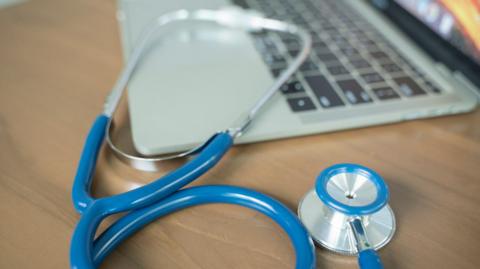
(347, 211)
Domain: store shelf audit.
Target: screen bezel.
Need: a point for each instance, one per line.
(438, 48)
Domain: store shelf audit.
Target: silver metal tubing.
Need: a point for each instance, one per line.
(358, 231)
(249, 20)
(150, 164)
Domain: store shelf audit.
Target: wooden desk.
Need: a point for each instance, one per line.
(59, 59)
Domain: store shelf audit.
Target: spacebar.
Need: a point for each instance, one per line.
(324, 92)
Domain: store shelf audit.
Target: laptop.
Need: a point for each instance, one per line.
(372, 63)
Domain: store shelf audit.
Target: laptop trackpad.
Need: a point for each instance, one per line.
(195, 79)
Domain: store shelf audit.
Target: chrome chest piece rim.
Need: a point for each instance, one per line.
(343, 192)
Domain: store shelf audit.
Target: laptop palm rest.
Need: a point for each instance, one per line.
(194, 80)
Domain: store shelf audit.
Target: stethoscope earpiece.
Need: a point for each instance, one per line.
(347, 212)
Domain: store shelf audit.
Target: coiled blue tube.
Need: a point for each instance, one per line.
(162, 197)
(134, 221)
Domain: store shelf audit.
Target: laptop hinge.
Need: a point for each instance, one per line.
(467, 83)
(459, 77)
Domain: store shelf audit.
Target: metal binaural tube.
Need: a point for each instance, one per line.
(233, 17)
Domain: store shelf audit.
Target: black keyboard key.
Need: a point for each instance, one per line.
(293, 52)
(264, 43)
(241, 3)
(300, 104)
(372, 77)
(324, 92)
(276, 71)
(309, 66)
(320, 50)
(292, 87)
(274, 59)
(385, 93)
(365, 42)
(354, 92)
(315, 37)
(287, 37)
(436, 90)
(349, 51)
(432, 87)
(299, 21)
(372, 48)
(340, 41)
(379, 55)
(327, 57)
(359, 63)
(337, 70)
(319, 45)
(391, 67)
(408, 86)
(343, 45)
(291, 43)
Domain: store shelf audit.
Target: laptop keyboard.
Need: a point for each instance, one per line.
(351, 63)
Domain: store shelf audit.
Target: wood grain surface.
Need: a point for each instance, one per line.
(58, 59)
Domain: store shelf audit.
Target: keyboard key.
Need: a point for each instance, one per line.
(340, 41)
(308, 65)
(372, 77)
(432, 87)
(293, 52)
(300, 104)
(337, 70)
(319, 45)
(379, 55)
(349, 51)
(360, 63)
(274, 59)
(343, 45)
(324, 92)
(391, 67)
(354, 92)
(321, 50)
(276, 71)
(327, 57)
(385, 93)
(365, 41)
(292, 87)
(373, 48)
(241, 3)
(299, 21)
(291, 43)
(264, 43)
(408, 86)
(436, 90)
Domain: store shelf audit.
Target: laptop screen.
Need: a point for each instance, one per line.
(456, 21)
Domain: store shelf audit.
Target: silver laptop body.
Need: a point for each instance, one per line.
(197, 79)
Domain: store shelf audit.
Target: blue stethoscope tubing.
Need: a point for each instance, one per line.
(161, 197)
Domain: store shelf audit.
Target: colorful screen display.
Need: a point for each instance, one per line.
(457, 21)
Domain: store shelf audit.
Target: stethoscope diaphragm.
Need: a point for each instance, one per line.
(344, 193)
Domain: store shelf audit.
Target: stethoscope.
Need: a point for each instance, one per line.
(165, 195)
